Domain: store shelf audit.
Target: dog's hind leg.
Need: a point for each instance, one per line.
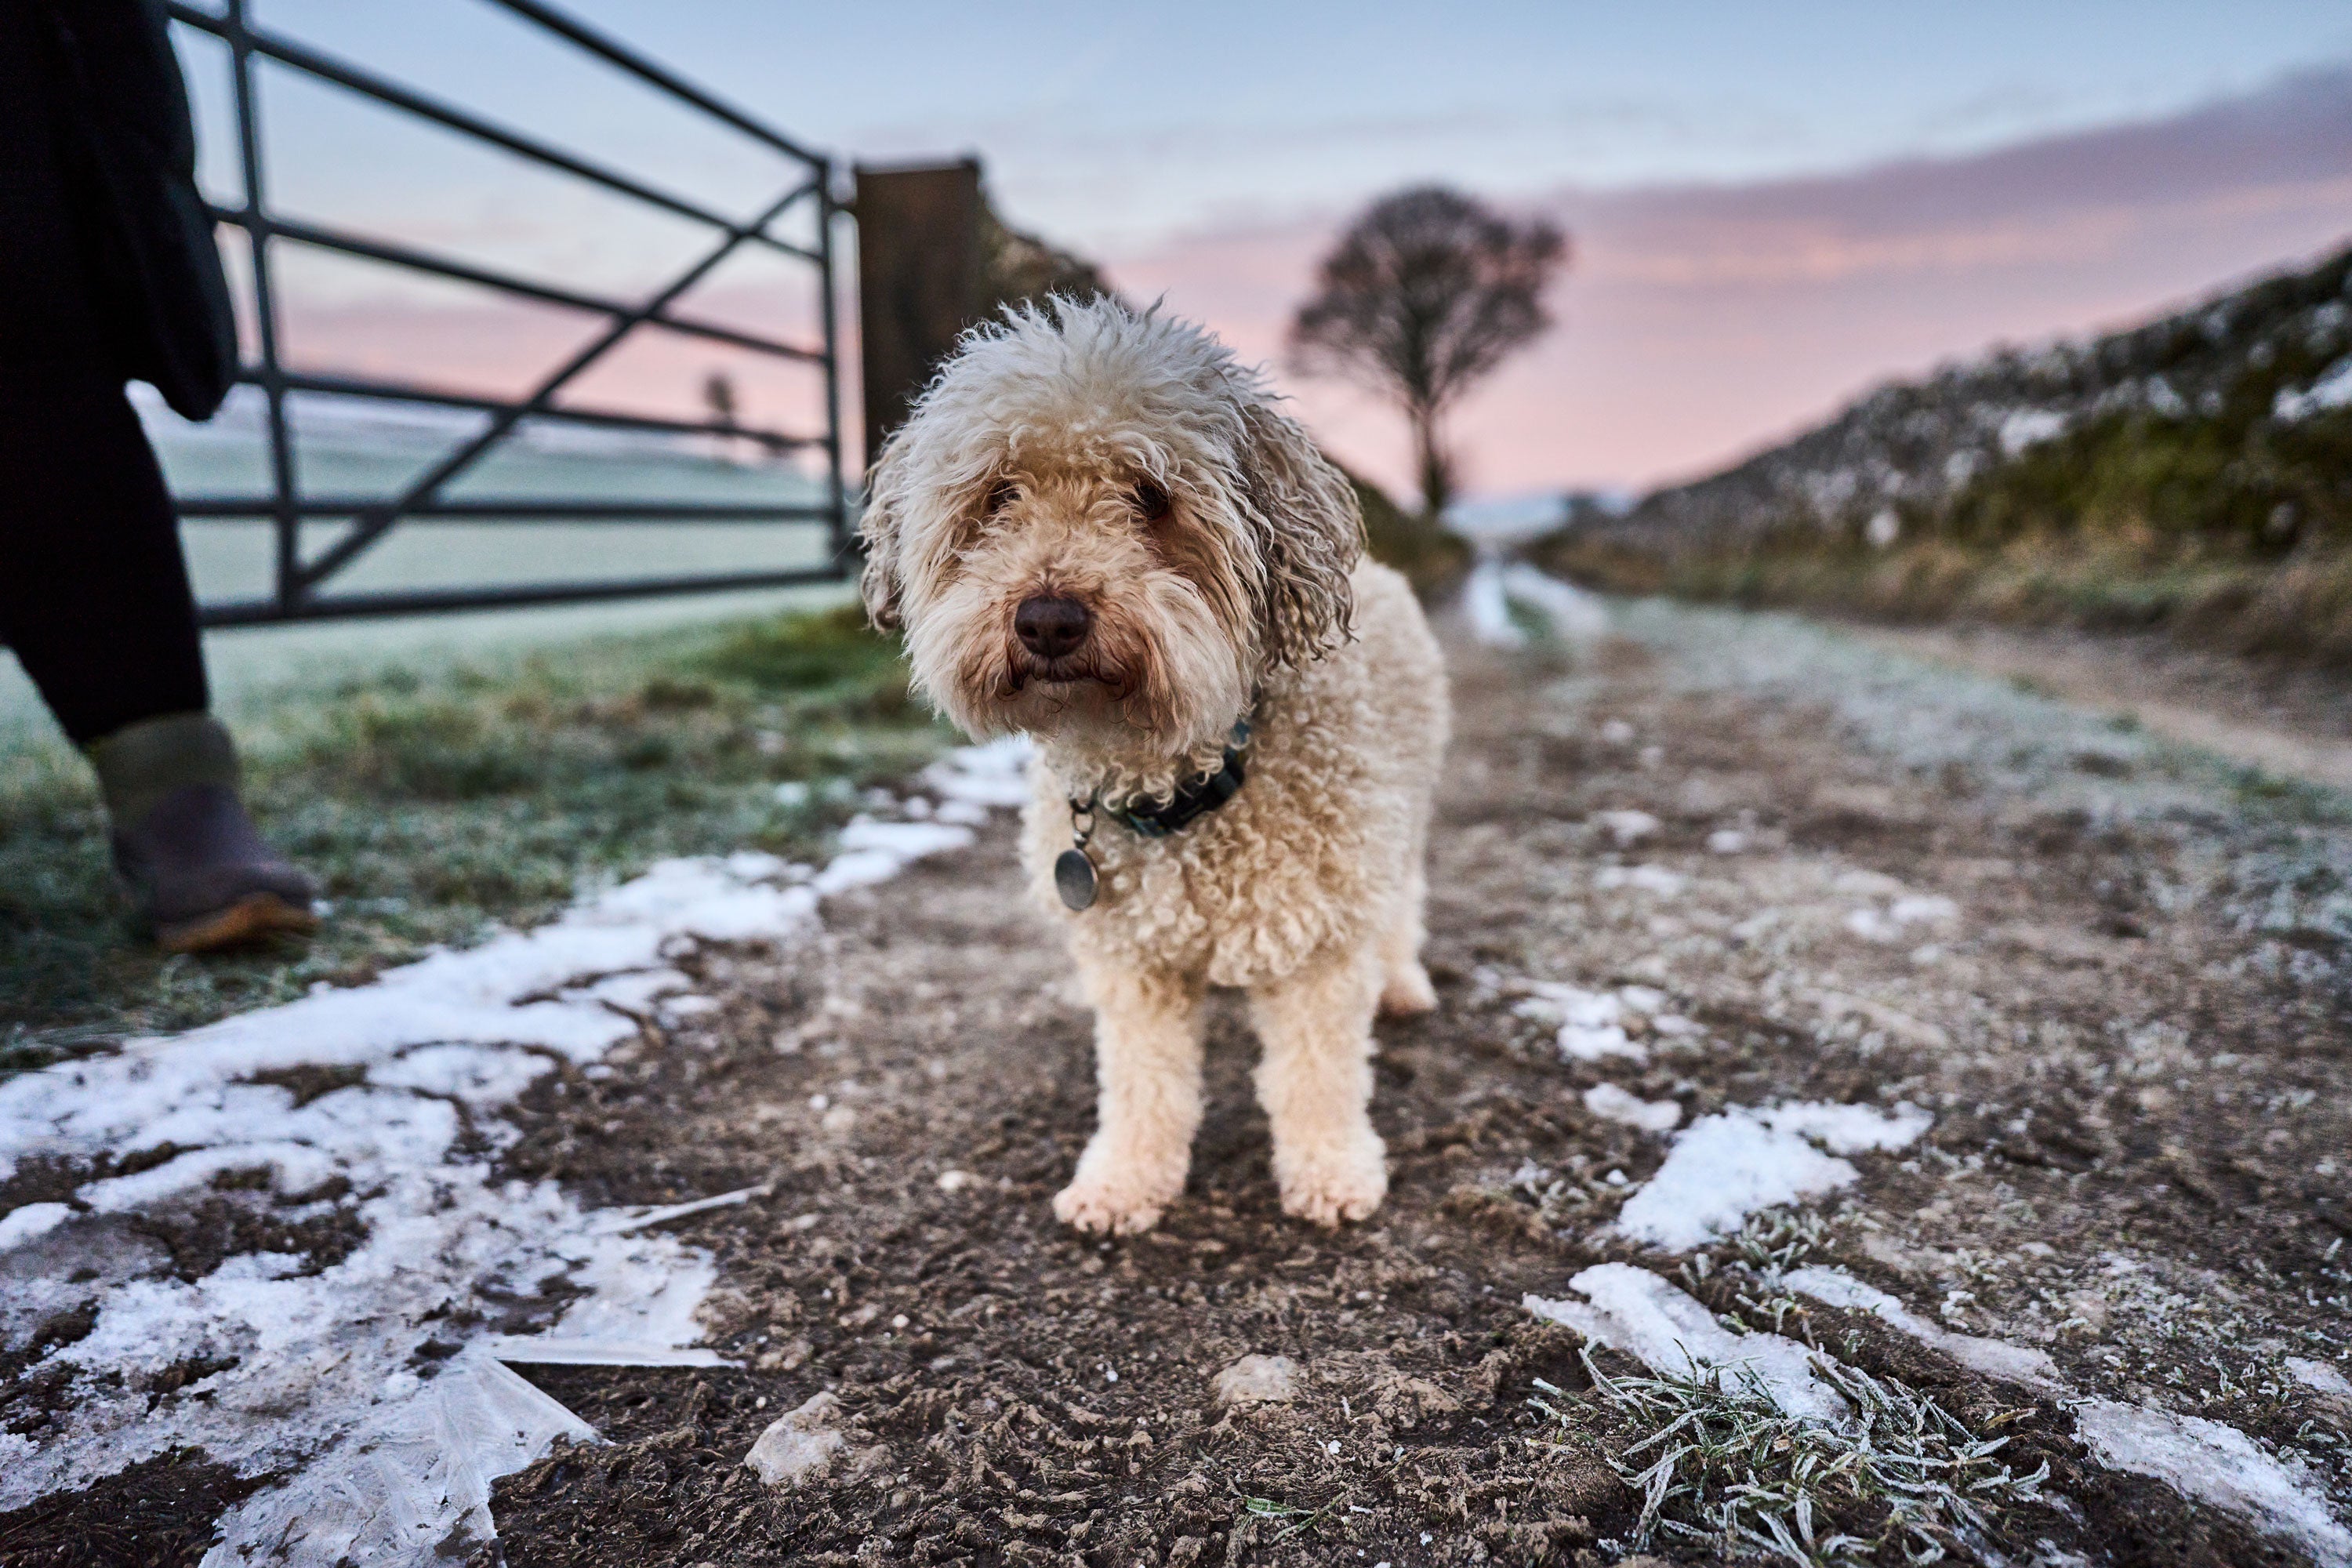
(1147, 1065)
(1315, 1082)
(1404, 983)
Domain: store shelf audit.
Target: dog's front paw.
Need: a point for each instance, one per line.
(1407, 993)
(1105, 1206)
(1329, 1187)
(1117, 1192)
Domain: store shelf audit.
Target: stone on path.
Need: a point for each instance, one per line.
(799, 1445)
(1258, 1380)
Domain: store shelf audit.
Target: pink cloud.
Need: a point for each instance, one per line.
(1701, 322)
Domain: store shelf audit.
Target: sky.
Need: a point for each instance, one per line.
(1773, 208)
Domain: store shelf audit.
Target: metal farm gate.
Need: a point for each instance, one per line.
(300, 581)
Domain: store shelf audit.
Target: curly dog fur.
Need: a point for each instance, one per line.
(1087, 455)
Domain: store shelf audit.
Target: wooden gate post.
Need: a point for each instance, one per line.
(921, 280)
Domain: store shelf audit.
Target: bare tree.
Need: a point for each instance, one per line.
(1425, 294)
(719, 396)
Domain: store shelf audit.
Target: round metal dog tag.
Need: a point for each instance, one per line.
(1074, 878)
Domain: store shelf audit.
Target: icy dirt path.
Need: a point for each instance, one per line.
(1725, 1167)
(2038, 1020)
(370, 1379)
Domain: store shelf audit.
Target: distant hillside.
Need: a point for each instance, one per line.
(2195, 472)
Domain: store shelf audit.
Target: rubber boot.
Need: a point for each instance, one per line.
(198, 871)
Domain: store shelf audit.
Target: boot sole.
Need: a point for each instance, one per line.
(252, 919)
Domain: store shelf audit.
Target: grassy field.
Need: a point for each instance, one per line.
(2298, 609)
(435, 806)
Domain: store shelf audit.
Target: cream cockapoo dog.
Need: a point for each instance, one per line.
(1098, 529)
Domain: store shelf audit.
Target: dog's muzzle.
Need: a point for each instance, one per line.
(1051, 626)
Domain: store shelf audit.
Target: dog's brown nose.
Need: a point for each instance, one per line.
(1051, 626)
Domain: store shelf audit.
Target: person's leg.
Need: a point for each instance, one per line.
(94, 594)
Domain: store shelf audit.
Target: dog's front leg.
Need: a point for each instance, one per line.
(1315, 1082)
(1148, 1063)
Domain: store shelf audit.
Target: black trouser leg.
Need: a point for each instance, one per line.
(94, 595)
(93, 589)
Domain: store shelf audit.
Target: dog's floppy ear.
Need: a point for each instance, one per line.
(877, 533)
(1310, 533)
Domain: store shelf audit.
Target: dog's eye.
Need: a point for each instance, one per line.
(1000, 496)
(1151, 501)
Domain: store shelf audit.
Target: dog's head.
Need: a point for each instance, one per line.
(1095, 524)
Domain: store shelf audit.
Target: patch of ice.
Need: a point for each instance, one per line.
(1614, 1104)
(1633, 1311)
(384, 1465)
(1648, 878)
(2216, 1464)
(618, 1221)
(1725, 1167)
(551, 1350)
(1728, 841)
(399, 1489)
(1994, 1358)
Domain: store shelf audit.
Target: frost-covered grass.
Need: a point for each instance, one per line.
(437, 805)
(1725, 1465)
(2271, 856)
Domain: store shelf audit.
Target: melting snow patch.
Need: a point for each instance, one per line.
(1725, 1167)
(2319, 1375)
(34, 1220)
(1633, 1311)
(2217, 1464)
(1607, 1101)
(319, 1370)
(1648, 878)
(2333, 390)
(1994, 1358)
(1894, 924)
(876, 851)
(1588, 1020)
(1626, 826)
(1568, 612)
(996, 774)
